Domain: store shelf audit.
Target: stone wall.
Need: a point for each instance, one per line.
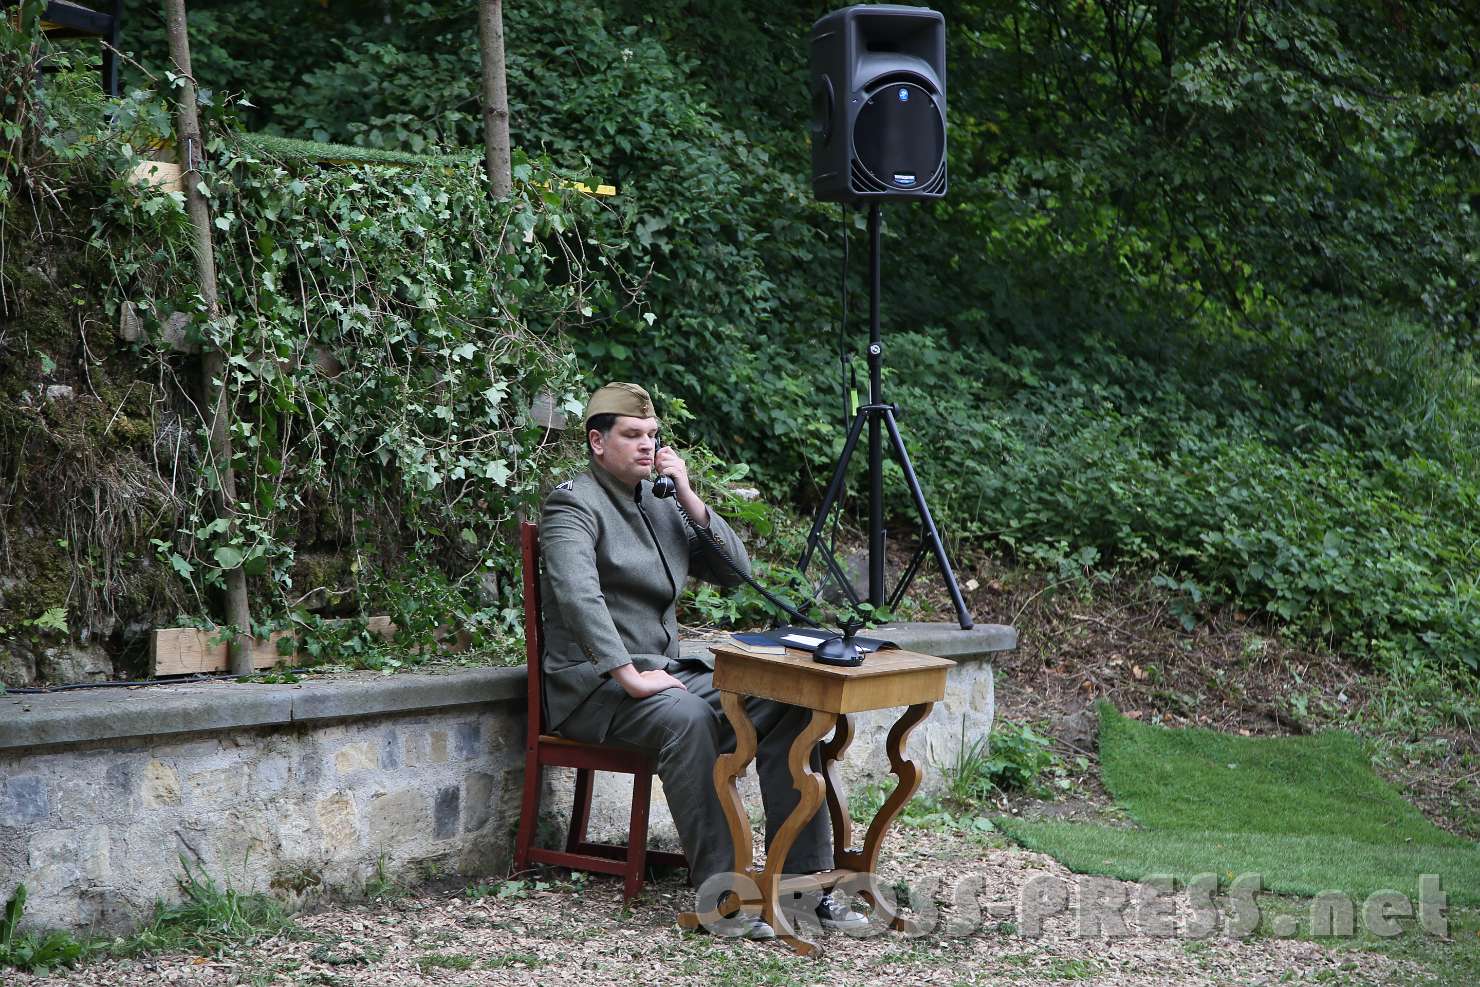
(309, 789)
(97, 832)
(296, 805)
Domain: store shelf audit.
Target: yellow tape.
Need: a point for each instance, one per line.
(583, 187)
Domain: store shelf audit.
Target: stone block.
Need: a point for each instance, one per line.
(308, 772)
(398, 819)
(60, 858)
(356, 757)
(390, 749)
(339, 824)
(272, 775)
(105, 911)
(17, 666)
(24, 800)
(122, 779)
(94, 854)
(162, 785)
(468, 740)
(243, 840)
(445, 812)
(293, 821)
(150, 852)
(479, 805)
(74, 663)
(219, 786)
(52, 863)
(437, 747)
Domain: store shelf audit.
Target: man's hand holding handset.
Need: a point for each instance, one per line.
(666, 462)
(671, 464)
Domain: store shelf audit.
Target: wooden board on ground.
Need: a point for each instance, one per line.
(191, 651)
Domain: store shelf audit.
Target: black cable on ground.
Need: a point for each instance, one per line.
(131, 684)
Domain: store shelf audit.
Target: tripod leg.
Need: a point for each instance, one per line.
(839, 576)
(834, 489)
(930, 531)
(909, 573)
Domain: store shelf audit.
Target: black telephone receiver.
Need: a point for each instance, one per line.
(663, 486)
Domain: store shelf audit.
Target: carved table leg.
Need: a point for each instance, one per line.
(728, 767)
(909, 774)
(809, 785)
(837, 798)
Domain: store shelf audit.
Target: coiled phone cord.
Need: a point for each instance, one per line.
(708, 540)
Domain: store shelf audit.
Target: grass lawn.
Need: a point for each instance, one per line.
(1289, 864)
(1307, 814)
(1198, 780)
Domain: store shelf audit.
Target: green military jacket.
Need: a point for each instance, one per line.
(607, 598)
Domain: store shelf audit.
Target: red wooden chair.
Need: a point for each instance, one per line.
(541, 749)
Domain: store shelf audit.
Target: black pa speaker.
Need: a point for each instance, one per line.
(879, 104)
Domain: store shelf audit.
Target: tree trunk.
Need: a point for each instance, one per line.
(495, 98)
(214, 385)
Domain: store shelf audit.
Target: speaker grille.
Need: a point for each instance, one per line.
(899, 140)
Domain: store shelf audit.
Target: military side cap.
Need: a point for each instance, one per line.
(618, 398)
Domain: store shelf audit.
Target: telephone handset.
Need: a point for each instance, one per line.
(663, 486)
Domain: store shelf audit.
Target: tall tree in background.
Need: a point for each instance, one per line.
(214, 385)
(495, 97)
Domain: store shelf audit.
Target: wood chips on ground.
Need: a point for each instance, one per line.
(585, 937)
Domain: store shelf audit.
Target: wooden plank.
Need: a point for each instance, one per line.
(192, 651)
(163, 176)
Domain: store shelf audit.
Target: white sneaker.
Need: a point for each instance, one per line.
(742, 927)
(834, 914)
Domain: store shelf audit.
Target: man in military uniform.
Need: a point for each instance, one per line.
(615, 560)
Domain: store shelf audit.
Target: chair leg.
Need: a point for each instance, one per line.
(580, 810)
(529, 812)
(642, 793)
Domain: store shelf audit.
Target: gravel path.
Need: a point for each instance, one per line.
(583, 936)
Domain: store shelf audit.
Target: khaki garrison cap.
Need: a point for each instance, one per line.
(618, 398)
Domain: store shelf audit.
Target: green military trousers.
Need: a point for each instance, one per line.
(686, 732)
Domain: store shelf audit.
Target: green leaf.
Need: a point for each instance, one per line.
(53, 619)
(228, 557)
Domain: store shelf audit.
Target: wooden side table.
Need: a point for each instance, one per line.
(885, 679)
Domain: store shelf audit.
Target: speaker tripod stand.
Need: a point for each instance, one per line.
(879, 416)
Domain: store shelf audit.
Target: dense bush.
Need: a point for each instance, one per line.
(1202, 299)
(386, 332)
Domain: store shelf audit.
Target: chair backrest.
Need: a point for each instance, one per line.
(534, 630)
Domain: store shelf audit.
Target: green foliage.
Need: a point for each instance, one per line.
(211, 918)
(386, 330)
(920, 812)
(1014, 758)
(524, 888)
(383, 885)
(35, 954)
(444, 961)
(1201, 300)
